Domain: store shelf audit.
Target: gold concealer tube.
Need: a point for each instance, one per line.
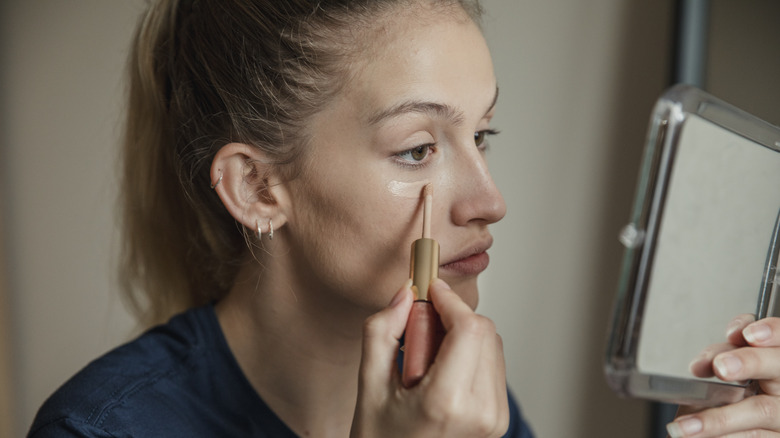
(424, 331)
(424, 266)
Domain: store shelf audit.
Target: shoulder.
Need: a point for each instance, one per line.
(131, 380)
(67, 427)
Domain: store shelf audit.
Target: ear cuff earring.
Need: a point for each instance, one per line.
(270, 230)
(214, 185)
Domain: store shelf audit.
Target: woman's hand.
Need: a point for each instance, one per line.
(752, 353)
(462, 395)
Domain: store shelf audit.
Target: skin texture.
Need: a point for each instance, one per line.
(751, 352)
(308, 317)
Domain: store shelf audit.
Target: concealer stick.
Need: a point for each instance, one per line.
(423, 330)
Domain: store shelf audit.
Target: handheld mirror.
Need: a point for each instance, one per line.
(701, 247)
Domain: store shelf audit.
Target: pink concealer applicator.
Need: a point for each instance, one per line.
(424, 331)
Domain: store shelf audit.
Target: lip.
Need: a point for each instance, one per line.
(470, 261)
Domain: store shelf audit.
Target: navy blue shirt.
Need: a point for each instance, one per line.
(178, 379)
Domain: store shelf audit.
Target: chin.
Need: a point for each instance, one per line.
(465, 288)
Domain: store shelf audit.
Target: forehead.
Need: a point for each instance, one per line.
(431, 57)
(383, 27)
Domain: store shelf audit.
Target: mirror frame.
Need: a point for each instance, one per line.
(639, 238)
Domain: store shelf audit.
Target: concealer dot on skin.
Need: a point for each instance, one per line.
(406, 189)
(413, 189)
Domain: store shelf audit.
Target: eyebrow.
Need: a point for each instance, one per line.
(440, 110)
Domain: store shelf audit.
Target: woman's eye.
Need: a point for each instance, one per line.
(481, 136)
(416, 154)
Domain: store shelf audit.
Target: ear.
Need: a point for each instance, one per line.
(249, 187)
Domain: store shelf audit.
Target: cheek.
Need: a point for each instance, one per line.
(356, 245)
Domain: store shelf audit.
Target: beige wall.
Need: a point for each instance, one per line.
(577, 83)
(60, 99)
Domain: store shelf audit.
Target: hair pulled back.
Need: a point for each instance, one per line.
(204, 73)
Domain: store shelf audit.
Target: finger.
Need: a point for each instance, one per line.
(758, 412)
(701, 366)
(753, 434)
(469, 365)
(465, 332)
(421, 342)
(451, 308)
(381, 338)
(763, 333)
(735, 327)
(748, 363)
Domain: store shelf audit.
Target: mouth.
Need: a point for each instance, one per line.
(471, 261)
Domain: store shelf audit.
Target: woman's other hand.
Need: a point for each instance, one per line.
(462, 395)
(752, 353)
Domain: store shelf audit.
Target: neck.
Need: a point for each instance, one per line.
(300, 354)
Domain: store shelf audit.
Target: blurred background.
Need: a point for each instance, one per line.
(578, 81)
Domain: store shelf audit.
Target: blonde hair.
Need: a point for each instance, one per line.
(202, 74)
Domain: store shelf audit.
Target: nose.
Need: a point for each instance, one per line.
(477, 198)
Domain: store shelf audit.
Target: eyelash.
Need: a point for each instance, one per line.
(485, 133)
(480, 140)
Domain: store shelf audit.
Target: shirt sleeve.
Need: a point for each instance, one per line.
(518, 428)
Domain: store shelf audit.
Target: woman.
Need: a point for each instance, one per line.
(274, 158)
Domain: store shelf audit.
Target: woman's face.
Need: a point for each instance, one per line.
(417, 111)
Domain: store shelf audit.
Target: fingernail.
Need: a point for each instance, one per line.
(684, 427)
(727, 365)
(757, 333)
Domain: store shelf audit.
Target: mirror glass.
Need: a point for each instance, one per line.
(719, 215)
(701, 248)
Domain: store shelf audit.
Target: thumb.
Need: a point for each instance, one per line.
(381, 339)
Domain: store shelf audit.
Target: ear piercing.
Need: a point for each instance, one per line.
(214, 185)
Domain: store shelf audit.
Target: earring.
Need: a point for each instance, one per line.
(270, 230)
(214, 185)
